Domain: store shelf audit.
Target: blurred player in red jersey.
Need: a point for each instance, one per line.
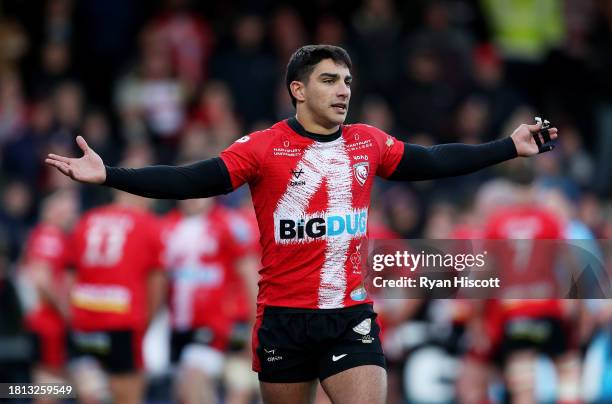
(311, 180)
(520, 329)
(117, 252)
(43, 266)
(212, 267)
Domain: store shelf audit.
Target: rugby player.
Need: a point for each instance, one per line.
(43, 265)
(310, 178)
(117, 254)
(210, 258)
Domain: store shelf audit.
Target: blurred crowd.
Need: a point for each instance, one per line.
(175, 81)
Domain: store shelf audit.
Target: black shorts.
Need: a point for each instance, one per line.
(298, 345)
(180, 339)
(545, 335)
(117, 351)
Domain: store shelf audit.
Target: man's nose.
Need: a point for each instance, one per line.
(344, 90)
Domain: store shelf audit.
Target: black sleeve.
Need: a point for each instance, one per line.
(449, 160)
(199, 180)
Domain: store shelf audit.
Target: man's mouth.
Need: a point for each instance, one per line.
(339, 107)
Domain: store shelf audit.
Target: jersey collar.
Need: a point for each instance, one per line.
(299, 129)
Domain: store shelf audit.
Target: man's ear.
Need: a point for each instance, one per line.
(297, 90)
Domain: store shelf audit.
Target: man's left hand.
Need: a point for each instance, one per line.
(524, 141)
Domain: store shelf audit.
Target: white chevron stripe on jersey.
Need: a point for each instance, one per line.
(331, 162)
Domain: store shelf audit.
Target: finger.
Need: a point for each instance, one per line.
(549, 134)
(82, 144)
(534, 128)
(63, 167)
(59, 158)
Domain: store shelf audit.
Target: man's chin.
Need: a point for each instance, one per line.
(338, 119)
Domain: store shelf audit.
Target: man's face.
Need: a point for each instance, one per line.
(327, 93)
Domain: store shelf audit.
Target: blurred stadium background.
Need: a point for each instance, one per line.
(170, 81)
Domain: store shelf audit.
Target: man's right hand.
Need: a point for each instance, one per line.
(89, 168)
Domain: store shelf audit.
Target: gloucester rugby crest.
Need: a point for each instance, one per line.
(361, 171)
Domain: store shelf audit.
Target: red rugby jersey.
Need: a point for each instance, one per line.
(200, 254)
(115, 248)
(311, 199)
(523, 263)
(48, 244)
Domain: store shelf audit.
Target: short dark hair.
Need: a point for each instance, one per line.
(303, 61)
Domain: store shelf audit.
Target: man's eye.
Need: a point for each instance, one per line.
(348, 83)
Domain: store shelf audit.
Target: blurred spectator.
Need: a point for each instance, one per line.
(440, 222)
(216, 112)
(403, 208)
(189, 38)
(287, 33)
(58, 21)
(471, 120)
(68, 104)
(23, 157)
(197, 144)
(577, 163)
(249, 71)
(15, 215)
(13, 45)
(377, 31)
(330, 30)
(489, 85)
(423, 102)
(525, 32)
(600, 50)
(452, 48)
(377, 112)
(591, 212)
(12, 107)
(56, 67)
(97, 132)
(151, 99)
(106, 42)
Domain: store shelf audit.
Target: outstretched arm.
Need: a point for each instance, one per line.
(449, 160)
(202, 179)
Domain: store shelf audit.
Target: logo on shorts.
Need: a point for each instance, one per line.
(274, 357)
(337, 358)
(364, 327)
(367, 339)
(361, 171)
